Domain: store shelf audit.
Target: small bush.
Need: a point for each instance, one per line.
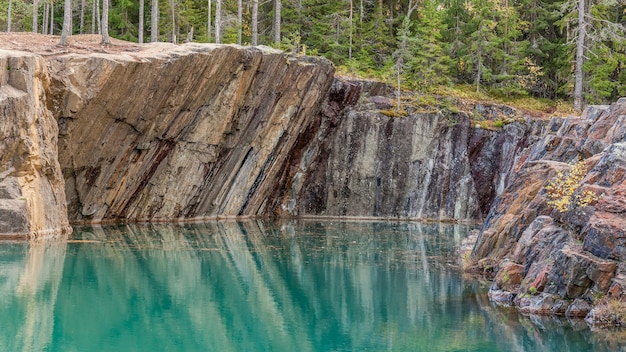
(563, 190)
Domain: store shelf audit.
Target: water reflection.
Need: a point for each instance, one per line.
(30, 276)
(259, 286)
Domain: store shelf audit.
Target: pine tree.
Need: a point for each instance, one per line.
(428, 63)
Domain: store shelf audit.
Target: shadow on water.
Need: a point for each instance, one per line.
(261, 286)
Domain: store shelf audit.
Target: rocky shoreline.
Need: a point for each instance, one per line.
(546, 261)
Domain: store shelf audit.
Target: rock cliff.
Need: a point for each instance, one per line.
(194, 131)
(32, 198)
(562, 262)
(428, 165)
(162, 132)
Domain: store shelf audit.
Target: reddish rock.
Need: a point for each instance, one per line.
(566, 255)
(509, 277)
(575, 272)
(540, 281)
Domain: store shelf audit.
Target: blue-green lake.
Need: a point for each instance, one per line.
(262, 286)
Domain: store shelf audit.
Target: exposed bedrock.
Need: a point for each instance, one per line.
(32, 201)
(573, 256)
(193, 131)
(428, 165)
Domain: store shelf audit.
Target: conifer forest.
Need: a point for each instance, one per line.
(572, 50)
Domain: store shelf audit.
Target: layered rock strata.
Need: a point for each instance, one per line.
(427, 165)
(32, 198)
(194, 131)
(562, 262)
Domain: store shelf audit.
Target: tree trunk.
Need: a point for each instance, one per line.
(277, 8)
(399, 64)
(580, 57)
(82, 16)
(361, 13)
(173, 6)
(218, 21)
(93, 16)
(140, 30)
(478, 73)
(105, 22)
(154, 19)
(350, 34)
(239, 21)
(189, 36)
(35, 15)
(9, 16)
(44, 23)
(51, 31)
(255, 22)
(208, 22)
(67, 20)
(98, 17)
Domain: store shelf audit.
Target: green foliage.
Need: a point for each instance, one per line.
(510, 50)
(427, 65)
(21, 14)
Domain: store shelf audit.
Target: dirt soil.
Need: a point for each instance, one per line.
(48, 45)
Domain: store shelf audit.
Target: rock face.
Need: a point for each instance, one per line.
(570, 255)
(205, 131)
(191, 132)
(363, 163)
(165, 132)
(32, 198)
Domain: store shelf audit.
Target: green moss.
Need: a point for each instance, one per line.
(395, 113)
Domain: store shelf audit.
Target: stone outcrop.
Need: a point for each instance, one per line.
(427, 165)
(571, 256)
(32, 198)
(194, 131)
(164, 132)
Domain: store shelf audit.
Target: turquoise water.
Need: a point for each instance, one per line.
(261, 286)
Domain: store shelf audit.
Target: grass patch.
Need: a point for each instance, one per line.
(442, 95)
(395, 113)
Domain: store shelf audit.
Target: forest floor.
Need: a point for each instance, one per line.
(48, 45)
